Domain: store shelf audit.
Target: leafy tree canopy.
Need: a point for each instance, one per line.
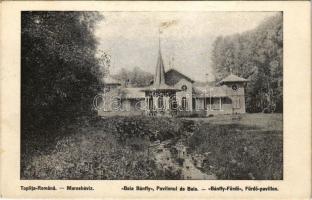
(136, 77)
(60, 72)
(258, 56)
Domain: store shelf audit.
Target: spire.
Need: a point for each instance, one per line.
(159, 32)
(159, 78)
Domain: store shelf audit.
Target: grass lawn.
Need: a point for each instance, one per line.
(118, 147)
(259, 120)
(247, 148)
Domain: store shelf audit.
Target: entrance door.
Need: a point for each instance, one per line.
(150, 104)
(173, 105)
(236, 103)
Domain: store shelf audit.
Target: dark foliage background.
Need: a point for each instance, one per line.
(60, 73)
(258, 56)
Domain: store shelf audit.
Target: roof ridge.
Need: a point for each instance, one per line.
(233, 78)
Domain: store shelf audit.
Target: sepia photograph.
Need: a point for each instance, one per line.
(151, 95)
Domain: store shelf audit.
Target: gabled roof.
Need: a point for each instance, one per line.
(233, 78)
(173, 76)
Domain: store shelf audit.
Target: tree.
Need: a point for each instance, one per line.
(136, 77)
(258, 56)
(105, 62)
(60, 73)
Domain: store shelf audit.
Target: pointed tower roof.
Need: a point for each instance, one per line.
(159, 78)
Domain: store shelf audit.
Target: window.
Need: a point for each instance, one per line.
(207, 102)
(184, 87)
(184, 103)
(160, 102)
(173, 103)
(151, 103)
(215, 104)
(234, 87)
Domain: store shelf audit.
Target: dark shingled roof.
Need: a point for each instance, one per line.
(173, 76)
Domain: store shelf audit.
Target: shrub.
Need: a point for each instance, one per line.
(109, 148)
(180, 161)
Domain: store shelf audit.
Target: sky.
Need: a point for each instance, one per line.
(132, 38)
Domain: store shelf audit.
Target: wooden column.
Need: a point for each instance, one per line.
(220, 102)
(210, 100)
(168, 103)
(147, 104)
(155, 102)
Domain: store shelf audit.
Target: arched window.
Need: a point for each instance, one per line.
(184, 103)
(160, 102)
(150, 103)
(173, 103)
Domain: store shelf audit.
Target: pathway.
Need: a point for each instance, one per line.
(165, 160)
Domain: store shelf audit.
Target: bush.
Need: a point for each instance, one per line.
(153, 128)
(109, 148)
(180, 161)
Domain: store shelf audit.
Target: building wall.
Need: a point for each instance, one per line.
(226, 105)
(127, 107)
(199, 104)
(237, 96)
(135, 105)
(187, 93)
(233, 103)
(225, 109)
(107, 101)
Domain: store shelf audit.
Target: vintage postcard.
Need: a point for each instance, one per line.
(155, 99)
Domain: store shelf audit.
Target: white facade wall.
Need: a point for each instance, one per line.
(187, 93)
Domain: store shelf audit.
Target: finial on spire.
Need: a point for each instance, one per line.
(169, 62)
(159, 32)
